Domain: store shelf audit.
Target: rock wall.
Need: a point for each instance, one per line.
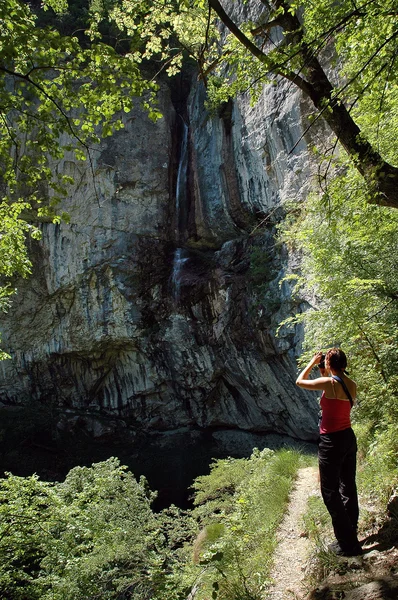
(146, 309)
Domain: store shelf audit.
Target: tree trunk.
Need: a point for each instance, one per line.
(381, 177)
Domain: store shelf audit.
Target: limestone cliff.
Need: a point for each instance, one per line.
(114, 318)
(146, 310)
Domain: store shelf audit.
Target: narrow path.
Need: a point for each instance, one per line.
(292, 550)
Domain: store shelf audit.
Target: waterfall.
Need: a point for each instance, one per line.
(180, 255)
(181, 186)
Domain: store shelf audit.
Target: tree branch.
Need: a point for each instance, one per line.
(257, 52)
(50, 98)
(381, 177)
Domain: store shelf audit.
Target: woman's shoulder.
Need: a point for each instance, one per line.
(351, 385)
(349, 381)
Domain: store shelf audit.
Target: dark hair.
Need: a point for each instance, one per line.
(336, 359)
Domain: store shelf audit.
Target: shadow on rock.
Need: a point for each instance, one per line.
(384, 588)
(384, 538)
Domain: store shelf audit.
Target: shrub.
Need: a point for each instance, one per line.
(92, 536)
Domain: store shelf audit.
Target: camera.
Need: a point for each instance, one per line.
(321, 365)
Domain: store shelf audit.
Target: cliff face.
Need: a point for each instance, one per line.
(152, 306)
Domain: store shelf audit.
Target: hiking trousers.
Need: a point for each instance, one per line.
(337, 453)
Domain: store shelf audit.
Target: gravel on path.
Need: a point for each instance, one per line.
(293, 546)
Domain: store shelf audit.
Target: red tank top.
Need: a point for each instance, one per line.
(335, 414)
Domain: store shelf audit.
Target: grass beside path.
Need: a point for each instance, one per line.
(240, 506)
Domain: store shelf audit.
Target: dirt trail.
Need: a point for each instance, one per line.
(292, 550)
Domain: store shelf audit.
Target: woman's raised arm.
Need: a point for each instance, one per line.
(312, 384)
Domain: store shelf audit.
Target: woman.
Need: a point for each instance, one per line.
(337, 448)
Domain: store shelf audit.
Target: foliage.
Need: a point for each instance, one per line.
(365, 40)
(92, 536)
(95, 535)
(213, 492)
(178, 529)
(378, 473)
(13, 255)
(167, 31)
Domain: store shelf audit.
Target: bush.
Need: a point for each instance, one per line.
(92, 536)
(378, 471)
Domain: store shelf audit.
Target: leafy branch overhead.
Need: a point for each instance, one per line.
(57, 95)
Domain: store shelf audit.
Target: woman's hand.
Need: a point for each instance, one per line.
(311, 384)
(316, 359)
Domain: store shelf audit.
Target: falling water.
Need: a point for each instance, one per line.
(181, 186)
(180, 256)
(179, 259)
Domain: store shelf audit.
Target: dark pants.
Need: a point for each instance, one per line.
(337, 467)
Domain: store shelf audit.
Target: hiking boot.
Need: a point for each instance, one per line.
(346, 551)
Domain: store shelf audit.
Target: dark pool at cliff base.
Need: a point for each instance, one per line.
(170, 461)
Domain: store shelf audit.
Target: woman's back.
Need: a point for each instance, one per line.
(336, 405)
(334, 389)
